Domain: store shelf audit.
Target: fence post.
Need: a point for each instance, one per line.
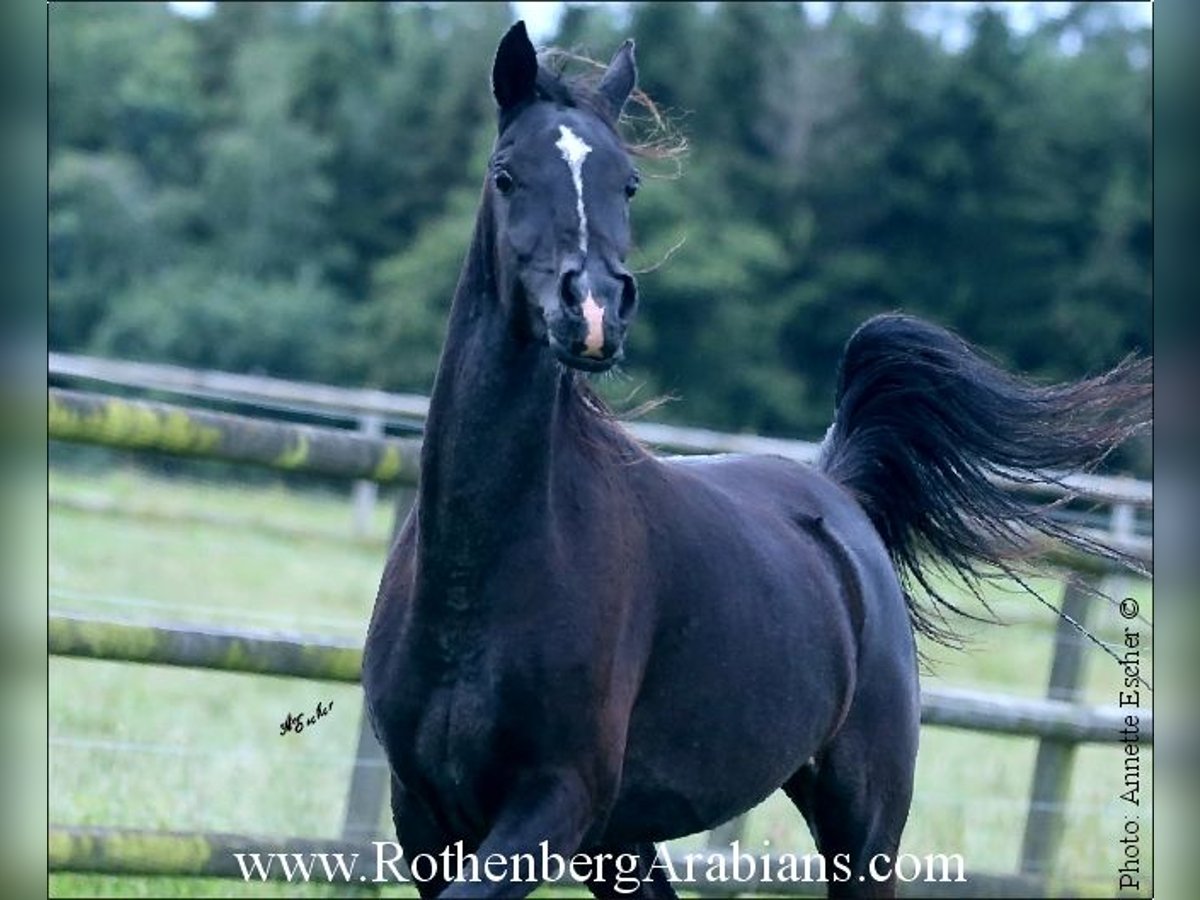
(1055, 758)
(1052, 771)
(1122, 526)
(369, 785)
(366, 492)
(721, 837)
(370, 782)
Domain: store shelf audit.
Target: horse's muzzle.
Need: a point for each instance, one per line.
(585, 363)
(588, 331)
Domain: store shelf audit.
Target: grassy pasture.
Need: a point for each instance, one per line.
(163, 748)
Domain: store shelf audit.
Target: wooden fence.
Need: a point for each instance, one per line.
(371, 409)
(1059, 722)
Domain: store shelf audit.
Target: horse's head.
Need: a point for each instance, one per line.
(561, 181)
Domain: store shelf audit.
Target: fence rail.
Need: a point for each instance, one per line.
(274, 653)
(301, 395)
(163, 427)
(148, 425)
(357, 403)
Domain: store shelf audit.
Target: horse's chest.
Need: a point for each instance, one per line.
(482, 692)
(456, 755)
(450, 738)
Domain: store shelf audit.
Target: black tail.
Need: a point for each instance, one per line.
(926, 428)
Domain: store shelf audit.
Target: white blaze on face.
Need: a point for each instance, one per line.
(593, 314)
(574, 151)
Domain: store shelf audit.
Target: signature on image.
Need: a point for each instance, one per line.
(297, 722)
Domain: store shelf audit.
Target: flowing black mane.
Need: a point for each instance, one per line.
(553, 85)
(656, 137)
(596, 425)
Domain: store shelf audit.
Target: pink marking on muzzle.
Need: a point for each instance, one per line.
(593, 314)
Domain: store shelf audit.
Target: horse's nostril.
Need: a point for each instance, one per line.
(628, 297)
(566, 291)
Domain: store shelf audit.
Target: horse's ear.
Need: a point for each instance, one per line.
(514, 73)
(619, 78)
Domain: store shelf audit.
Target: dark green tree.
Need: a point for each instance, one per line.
(291, 187)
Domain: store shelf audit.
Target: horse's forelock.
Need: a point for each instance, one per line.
(659, 139)
(574, 91)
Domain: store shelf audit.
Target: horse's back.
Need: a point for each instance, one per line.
(772, 489)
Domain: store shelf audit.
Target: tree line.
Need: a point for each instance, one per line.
(289, 189)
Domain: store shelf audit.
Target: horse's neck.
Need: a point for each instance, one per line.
(491, 432)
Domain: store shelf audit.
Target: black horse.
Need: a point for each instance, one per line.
(579, 644)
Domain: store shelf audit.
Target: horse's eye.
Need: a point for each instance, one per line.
(631, 186)
(503, 180)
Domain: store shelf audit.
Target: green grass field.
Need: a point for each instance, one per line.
(168, 748)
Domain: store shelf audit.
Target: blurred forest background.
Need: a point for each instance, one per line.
(289, 189)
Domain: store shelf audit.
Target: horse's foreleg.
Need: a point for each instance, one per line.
(645, 881)
(417, 834)
(553, 808)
